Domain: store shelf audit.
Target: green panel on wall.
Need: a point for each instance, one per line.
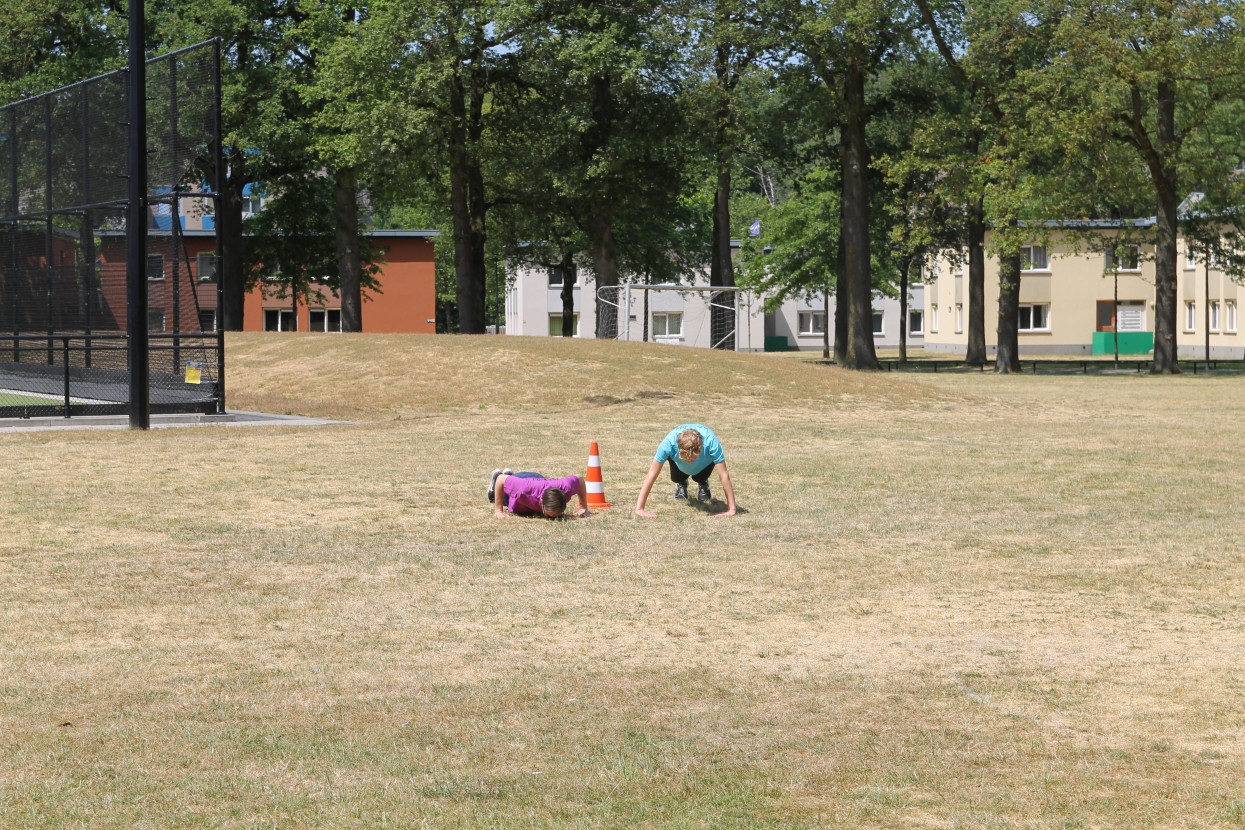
(1131, 342)
(776, 343)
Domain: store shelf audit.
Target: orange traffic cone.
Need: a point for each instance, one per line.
(594, 485)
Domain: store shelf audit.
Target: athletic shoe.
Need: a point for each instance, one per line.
(492, 482)
(703, 492)
(680, 492)
(507, 472)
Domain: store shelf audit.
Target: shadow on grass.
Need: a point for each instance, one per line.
(713, 507)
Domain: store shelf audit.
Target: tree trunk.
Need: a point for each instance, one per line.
(346, 234)
(903, 309)
(976, 352)
(568, 293)
(230, 270)
(1165, 315)
(467, 210)
(605, 263)
(840, 300)
(855, 233)
(825, 327)
(1007, 358)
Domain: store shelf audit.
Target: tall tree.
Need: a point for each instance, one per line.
(1158, 77)
(845, 42)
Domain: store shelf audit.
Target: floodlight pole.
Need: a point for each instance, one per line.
(136, 226)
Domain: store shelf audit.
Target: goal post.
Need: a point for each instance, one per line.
(711, 317)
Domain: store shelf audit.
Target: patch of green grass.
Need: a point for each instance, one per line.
(14, 399)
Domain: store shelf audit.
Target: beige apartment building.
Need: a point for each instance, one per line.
(1075, 300)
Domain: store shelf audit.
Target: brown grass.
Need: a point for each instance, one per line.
(959, 601)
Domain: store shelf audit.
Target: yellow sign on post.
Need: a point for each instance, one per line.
(194, 371)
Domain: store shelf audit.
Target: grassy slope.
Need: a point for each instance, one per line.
(949, 601)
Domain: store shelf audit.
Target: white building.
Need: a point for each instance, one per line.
(681, 316)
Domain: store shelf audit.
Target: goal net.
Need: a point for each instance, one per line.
(703, 316)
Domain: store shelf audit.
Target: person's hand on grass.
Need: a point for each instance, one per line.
(499, 514)
(583, 514)
(645, 513)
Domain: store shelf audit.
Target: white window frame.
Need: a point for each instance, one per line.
(959, 318)
(211, 270)
(315, 311)
(151, 258)
(1032, 328)
(933, 319)
(1190, 316)
(1045, 267)
(252, 205)
(562, 277)
(1190, 257)
(879, 322)
(558, 317)
(666, 315)
(1229, 308)
(921, 329)
(1212, 317)
(805, 322)
(1112, 261)
(281, 312)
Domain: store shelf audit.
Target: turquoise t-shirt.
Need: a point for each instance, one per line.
(710, 450)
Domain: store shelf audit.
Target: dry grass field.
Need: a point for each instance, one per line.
(948, 601)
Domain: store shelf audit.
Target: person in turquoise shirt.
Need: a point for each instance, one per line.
(693, 451)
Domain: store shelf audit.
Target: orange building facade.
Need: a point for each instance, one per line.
(405, 301)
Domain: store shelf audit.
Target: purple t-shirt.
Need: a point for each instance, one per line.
(525, 493)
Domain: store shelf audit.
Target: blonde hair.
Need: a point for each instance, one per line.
(689, 444)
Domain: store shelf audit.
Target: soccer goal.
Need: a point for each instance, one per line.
(689, 315)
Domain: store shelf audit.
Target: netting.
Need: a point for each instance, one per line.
(675, 314)
(63, 302)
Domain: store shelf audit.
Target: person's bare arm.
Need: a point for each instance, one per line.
(499, 497)
(726, 488)
(647, 488)
(583, 498)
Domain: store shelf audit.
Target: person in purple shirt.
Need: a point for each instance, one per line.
(531, 494)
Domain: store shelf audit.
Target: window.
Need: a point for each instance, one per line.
(557, 278)
(155, 319)
(916, 322)
(205, 265)
(1131, 315)
(324, 319)
(1213, 317)
(877, 323)
(1229, 308)
(1190, 316)
(1032, 258)
(280, 319)
(1034, 318)
(933, 319)
(207, 320)
(555, 325)
(155, 266)
(959, 318)
(252, 200)
(1190, 256)
(959, 264)
(1125, 258)
(668, 325)
(812, 322)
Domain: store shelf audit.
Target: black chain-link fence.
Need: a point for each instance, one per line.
(63, 303)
